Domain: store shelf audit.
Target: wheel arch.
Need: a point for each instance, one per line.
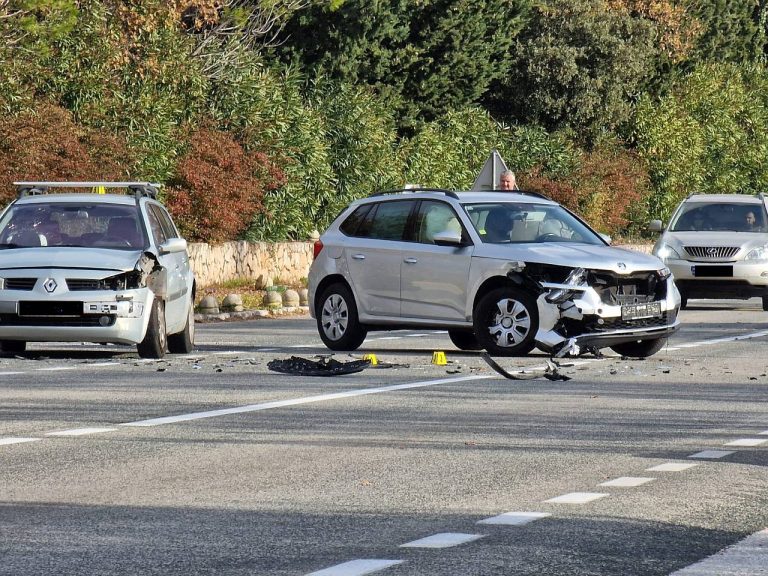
(327, 281)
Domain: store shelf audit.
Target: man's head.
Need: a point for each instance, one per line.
(507, 180)
(750, 219)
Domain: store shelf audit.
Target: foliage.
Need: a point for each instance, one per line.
(46, 144)
(425, 57)
(218, 187)
(731, 29)
(709, 134)
(577, 65)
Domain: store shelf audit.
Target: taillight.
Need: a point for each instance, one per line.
(318, 246)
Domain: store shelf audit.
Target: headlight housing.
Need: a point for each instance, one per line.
(759, 253)
(125, 281)
(664, 273)
(666, 252)
(577, 277)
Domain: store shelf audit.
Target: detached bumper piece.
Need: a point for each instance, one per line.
(326, 366)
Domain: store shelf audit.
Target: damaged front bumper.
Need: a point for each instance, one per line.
(574, 316)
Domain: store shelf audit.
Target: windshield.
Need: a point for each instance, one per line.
(81, 225)
(729, 216)
(507, 222)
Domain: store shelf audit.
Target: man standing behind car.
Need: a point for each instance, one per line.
(507, 180)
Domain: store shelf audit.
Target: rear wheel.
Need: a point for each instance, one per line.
(155, 341)
(506, 321)
(641, 349)
(337, 321)
(464, 340)
(184, 342)
(13, 346)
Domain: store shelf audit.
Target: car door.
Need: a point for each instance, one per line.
(434, 279)
(374, 255)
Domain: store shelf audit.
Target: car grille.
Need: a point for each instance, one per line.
(713, 252)
(20, 283)
(617, 289)
(78, 284)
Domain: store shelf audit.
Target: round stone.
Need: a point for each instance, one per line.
(291, 298)
(208, 305)
(232, 303)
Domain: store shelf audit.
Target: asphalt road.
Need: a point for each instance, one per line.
(211, 464)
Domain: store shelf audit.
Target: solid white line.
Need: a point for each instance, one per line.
(515, 518)
(747, 557)
(7, 441)
(747, 442)
(388, 338)
(577, 498)
(102, 364)
(712, 454)
(298, 401)
(442, 540)
(721, 340)
(80, 431)
(356, 568)
(56, 368)
(763, 433)
(416, 335)
(627, 481)
(670, 467)
(11, 373)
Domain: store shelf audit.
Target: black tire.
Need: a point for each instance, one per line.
(641, 349)
(155, 341)
(684, 301)
(765, 303)
(506, 321)
(337, 320)
(464, 340)
(13, 346)
(184, 342)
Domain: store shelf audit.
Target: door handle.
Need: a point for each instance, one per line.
(358, 256)
(411, 260)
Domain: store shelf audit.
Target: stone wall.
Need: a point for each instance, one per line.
(265, 263)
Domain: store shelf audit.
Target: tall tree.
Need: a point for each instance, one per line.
(731, 29)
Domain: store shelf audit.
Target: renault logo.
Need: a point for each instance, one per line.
(50, 285)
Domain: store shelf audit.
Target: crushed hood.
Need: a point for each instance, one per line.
(71, 258)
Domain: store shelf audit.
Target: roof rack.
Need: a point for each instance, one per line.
(138, 189)
(450, 193)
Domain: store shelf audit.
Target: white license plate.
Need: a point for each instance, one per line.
(637, 311)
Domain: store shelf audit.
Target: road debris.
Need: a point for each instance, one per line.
(325, 366)
(550, 372)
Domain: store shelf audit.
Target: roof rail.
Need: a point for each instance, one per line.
(450, 193)
(138, 189)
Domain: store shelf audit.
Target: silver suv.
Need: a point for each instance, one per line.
(717, 246)
(506, 272)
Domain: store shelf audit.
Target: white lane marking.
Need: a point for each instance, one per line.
(80, 431)
(356, 568)
(627, 481)
(763, 433)
(577, 498)
(298, 401)
(747, 442)
(712, 454)
(103, 364)
(56, 368)
(722, 340)
(515, 518)
(11, 373)
(442, 540)
(748, 557)
(416, 335)
(388, 338)
(671, 467)
(7, 441)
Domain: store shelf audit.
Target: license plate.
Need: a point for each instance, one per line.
(636, 311)
(713, 271)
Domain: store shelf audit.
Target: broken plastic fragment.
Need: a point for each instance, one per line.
(326, 366)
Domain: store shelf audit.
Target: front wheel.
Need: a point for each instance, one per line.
(641, 349)
(184, 341)
(506, 321)
(337, 322)
(155, 340)
(464, 340)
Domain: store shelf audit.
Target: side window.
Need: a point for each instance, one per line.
(158, 233)
(387, 221)
(351, 225)
(435, 217)
(166, 222)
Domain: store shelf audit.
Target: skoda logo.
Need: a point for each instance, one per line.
(621, 266)
(50, 285)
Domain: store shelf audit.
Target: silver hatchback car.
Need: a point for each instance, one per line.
(504, 272)
(94, 268)
(717, 246)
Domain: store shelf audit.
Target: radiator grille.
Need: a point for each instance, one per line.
(78, 284)
(20, 283)
(713, 252)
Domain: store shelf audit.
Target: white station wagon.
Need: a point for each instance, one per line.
(90, 267)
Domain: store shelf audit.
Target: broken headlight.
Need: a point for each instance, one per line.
(577, 277)
(124, 281)
(664, 273)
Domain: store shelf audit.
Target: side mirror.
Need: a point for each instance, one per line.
(447, 238)
(173, 245)
(656, 226)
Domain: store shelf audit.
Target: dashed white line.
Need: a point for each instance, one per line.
(515, 518)
(577, 498)
(7, 441)
(747, 442)
(627, 481)
(711, 454)
(80, 431)
(749, 557)
(356, 568)
(671, 467)
(443, 540)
